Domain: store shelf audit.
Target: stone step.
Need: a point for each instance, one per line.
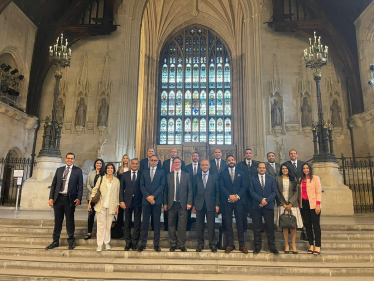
(198, 267)
(57, 275)
(192, 244)
(149, 253)
(83, 223)
(81, 231)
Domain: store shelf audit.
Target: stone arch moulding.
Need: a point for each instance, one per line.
(14, 152)
(22, 68)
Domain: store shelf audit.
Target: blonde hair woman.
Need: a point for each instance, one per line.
(125, 166)
(107, 206)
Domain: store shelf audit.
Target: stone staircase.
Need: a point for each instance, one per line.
(347, 251)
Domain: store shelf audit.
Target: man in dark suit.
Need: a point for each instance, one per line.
(296, 164)
(206, 200)
(152, 184)
(249, 168)
(192, 169)
(263, 191)
(178, 198)
(232, 192)
(130, 198)
(66, 193)
(272, 168)
(168, 168)
(217, 165)
(145, 163)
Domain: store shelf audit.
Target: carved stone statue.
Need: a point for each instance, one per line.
(276, 116)
(306, 113)
(80, 116)
(60, 111)
(47, 133)
(335, 114)
(102, 118)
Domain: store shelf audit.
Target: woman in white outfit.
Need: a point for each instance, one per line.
(107, 206)
(287, 199)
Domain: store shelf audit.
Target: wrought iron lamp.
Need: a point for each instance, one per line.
(59, 56)
(315, 58)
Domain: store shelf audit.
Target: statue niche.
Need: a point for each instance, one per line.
(102, 118)
(276, 114)
(80, 116)
(306, 113)
(335, 114)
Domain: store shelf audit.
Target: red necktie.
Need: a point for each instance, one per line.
(172, 166)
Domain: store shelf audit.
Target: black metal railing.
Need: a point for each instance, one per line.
(358, 176)
(8, 183)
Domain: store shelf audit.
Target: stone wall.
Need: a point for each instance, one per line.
(123, 69)
(17, 36)
(362, 124)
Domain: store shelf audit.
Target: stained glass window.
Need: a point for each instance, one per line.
(195, 89)
(179, 109)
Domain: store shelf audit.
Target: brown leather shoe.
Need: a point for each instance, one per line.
(228, 249)
(243, 249)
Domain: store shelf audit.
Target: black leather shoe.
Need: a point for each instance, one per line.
(213, 248)
(128, 247)
(274, 251)
(183, 249)
(88, 236)
(141, 248)
(71, 246)
(172, 249)
(199, 248)
(157, 248)
(52, 245)
(256, 251)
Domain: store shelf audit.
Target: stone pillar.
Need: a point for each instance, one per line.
(337, 198)
(35, 190)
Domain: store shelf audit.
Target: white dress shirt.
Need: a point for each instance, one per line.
(175, 182)
(67, 178)
(263, 176)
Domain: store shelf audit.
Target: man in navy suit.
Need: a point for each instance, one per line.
(295, 163)
(130, 198)
(152, 184)
(206, 200)
(168, 168)
(217, 165)
(66, 193)
(233, 187)
(263, 190)
(145, 163)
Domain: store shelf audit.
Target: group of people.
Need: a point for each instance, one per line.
(142, 189)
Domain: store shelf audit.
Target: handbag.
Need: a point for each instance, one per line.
(116, 231)
(97, 196)
(287, 220)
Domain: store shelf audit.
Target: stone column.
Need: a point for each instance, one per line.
(337, 198)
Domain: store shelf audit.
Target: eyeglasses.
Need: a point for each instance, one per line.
(153, 160)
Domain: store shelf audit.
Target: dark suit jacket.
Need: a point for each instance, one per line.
(75, 185)
(144, 164)
(210, 194)
(213, 167)
(293, 196)
(189, 169)
(227, 187)
(130, 192)
(166, 166)
(270, 171)
(248, 172)
(300, 165)
(155, 188)
(185, 190)
(258, 193)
